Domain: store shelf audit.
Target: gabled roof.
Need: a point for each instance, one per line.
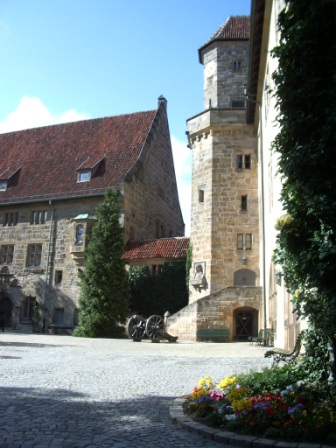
(235, 28)
(50, 156)
(175, 248)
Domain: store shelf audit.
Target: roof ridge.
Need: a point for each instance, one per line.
(65, 123)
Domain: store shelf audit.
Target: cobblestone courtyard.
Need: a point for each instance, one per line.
(60, 391)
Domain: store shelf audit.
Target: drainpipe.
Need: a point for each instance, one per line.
(47, 277)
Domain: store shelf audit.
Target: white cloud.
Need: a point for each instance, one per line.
(182, 162)
(32, 113)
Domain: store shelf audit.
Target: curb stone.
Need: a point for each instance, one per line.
(229, 438)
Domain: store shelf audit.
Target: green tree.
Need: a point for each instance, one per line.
(156, 294)
(103, 302)
(305, 91)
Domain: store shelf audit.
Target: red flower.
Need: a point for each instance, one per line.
(300, 399)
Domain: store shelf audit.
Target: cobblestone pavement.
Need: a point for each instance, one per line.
(61, 391)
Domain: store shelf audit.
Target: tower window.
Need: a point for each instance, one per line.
(243, 162)
(247, 162)
(244, 241)
(236, 65)
(244, 203)
(200, 195)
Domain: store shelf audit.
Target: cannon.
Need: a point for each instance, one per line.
(153, 328)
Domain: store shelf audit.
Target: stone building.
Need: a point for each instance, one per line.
(51, 181)
(235, 190)
(225, 212)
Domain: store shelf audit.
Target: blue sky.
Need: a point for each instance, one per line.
(64, 60)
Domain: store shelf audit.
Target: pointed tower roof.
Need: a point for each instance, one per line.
(234, 28)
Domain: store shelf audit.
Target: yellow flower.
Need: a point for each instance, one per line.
(238, 394)
(241, 405)
(206, 382)
(228, 381)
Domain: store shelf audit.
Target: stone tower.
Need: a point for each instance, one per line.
(225, 217)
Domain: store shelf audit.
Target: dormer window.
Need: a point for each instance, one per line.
(84, 176)
(6, 176)
(89, 168)
(3, 185)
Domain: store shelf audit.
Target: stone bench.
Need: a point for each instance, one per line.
(213, 333)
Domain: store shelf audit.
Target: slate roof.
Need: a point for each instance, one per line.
(234, 28)
(43, 162)
(175, 248)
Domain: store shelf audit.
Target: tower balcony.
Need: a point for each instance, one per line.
(215, 117)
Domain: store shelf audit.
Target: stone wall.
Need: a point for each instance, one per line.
(217, 216)
(151, 203)
(217, 310)
(225, 73)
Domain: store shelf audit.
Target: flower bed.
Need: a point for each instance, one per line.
(295, 412)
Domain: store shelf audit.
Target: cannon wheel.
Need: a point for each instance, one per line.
(135, 329)
(154, 324)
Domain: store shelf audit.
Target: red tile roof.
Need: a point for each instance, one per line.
(162, 248)
(234, 28)
(49, 156)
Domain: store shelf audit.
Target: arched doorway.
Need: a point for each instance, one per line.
(6, 307)
(245, 322)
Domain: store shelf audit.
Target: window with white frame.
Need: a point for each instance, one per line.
(38, 217)
(3, 185)
(84, 176)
